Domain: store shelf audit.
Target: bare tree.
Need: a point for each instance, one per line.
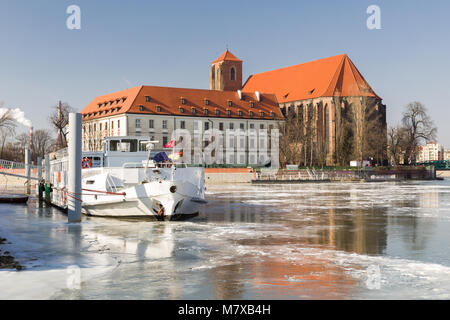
(291, 139)
(59, 119)
(5, 133)
(396, 143)
(419, 128)
(42, 143)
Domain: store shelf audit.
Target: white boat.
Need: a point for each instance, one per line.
(127, 187)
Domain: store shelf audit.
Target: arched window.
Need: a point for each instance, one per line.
(233, 74)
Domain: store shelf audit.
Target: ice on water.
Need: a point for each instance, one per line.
(308, 241)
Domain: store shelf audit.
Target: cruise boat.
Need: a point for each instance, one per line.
(131, 179)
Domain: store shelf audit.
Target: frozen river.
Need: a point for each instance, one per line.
(304, 241)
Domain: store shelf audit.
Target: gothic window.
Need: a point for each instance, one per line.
(233, 74)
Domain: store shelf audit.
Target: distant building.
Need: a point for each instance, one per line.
(446, 154)
(430, 152)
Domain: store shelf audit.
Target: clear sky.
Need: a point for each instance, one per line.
(123, 44)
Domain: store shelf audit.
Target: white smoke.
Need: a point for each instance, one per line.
(16, 114)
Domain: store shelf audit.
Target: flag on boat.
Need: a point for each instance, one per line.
(160, 157)
(176, 155)
(171, 144)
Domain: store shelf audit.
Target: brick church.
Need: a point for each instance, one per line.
(347, 117)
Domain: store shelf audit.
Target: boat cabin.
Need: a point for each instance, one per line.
(120, 151)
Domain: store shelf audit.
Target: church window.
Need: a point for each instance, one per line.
(233, 74)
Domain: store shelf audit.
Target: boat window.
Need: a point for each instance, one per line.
(143, 145)
(129, 145)
(114, 145)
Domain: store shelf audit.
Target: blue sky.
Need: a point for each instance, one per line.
(123, 44)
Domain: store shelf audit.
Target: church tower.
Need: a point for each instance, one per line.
(226, 73)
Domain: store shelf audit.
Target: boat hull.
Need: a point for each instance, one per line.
(157, 199)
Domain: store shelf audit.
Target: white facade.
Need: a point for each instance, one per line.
(446, 154)
(430, 152)
(246, 149)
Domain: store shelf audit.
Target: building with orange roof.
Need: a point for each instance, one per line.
(155, 111)
(333, 94)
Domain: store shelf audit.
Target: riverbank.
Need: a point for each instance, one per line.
(6, 260)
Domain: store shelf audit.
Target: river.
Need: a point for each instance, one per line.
(304, 241)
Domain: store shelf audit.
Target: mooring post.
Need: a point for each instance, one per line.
(39, 186)
(28, 170)
(47, 178)
(74, 174)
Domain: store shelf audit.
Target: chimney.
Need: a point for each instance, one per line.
(258, 96)
(239, 94)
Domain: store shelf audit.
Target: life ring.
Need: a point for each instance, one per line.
(86, 163)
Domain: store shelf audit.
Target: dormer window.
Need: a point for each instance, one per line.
(194, 111)
(158, 108)
(183, 101)
(240, 113)
(217, 112)
(99, 105)
(261, 114)
(141, 108)
(147, 99)
(181, 110)
(206, 111)
(251, 113)
(272, 114)
(252, 104)
(230, 103)
(123, 99)
(229, 112)
(117, 101)
(207, 102)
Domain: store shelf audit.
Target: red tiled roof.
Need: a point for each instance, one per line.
(169, 101)
(227, 56)
(333, 76)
